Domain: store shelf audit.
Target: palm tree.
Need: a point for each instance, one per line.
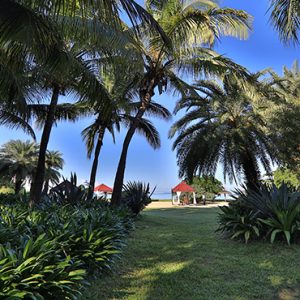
(120, 115)
(57, 68)
(17, 161)
(193, 27)
(73, 75)
(12, 118)
(35, 37)
(36, 31)
(222, 126)
(285, 17)
(54, 163)
(282, 116)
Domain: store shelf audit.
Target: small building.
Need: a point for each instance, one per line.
(182, 187)
(102, 188)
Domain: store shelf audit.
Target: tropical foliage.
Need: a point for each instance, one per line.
(136, 196)
(193, 30)
(223, 126)
(269, 212)
(290, 177)
(281, 115)
(121, 112)
(69, 192)
(18, 162)
(53, 165)
(285, 17)
(49, 253)
(46, 54)
(207, 186)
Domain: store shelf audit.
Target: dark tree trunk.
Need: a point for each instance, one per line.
(18, 185)
(46, 187)
(251, 171)
(146, 92)
(38, 179)
(119, 179)
(95, 162)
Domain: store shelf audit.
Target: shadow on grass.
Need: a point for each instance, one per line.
(175, 254)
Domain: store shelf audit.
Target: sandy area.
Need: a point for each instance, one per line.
(165, 204)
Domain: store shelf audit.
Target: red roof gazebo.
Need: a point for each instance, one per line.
(102, 188)
(182, 187)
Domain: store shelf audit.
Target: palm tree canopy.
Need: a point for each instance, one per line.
(282, 115)
(54, 163)
(221, 126)
(18, 158)
(285, 17)
(193, 27)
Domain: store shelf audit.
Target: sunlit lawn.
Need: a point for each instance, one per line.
(176, 254)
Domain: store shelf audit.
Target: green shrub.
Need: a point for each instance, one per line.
(38, 270)
(269, 212)
(278, 209)
(6, 190)
(67, 192)
(136, 196)
(46, 253)
(238, 221)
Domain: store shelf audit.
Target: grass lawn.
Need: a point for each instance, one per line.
(175, 254)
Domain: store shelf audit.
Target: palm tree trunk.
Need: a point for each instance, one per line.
(146, 93)
(251, 171)
(95, 162)
(18, 185)
(119, 179)
(38, 179)
(46, 187)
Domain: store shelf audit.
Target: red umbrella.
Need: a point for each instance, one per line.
(103, 188)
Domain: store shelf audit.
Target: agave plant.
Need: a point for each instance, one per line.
(136, 196)
(238, 221)
(278, 208)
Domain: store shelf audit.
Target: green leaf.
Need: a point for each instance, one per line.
(287, 236)
(247, 236)
(274, 233)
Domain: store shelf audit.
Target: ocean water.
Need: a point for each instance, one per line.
(161, 196)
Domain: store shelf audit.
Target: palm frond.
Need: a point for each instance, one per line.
(285, 17)
(13, 121)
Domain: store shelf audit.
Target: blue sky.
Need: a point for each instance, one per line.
(263, 49)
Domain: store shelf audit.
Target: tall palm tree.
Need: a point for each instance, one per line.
(193, 27)
(222, 126)
(17, 161)
(54, 163)
(285, 17)
(38, 33)
(73, 75)
(120, 115)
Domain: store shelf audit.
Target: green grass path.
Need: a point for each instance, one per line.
(175, 254)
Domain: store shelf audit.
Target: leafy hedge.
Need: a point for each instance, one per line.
(267, 213)
(49, 253)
